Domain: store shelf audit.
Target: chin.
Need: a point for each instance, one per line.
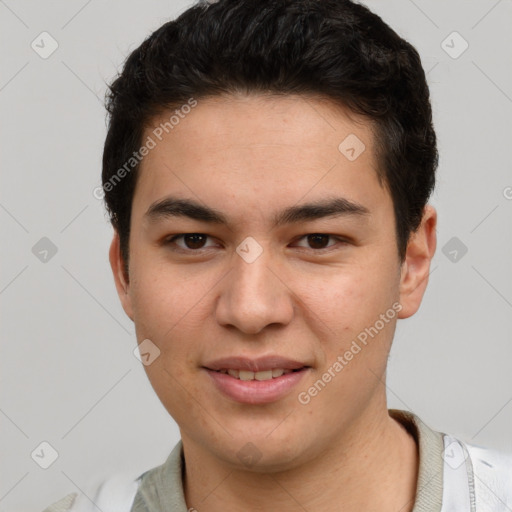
(266, 459)
(263, 453)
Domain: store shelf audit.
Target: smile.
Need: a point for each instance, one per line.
(247, 375)
(254, 388)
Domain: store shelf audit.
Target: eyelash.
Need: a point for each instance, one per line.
(172, 240)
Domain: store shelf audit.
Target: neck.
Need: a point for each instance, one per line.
(374, 467)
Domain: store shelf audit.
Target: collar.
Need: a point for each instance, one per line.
(161, 488)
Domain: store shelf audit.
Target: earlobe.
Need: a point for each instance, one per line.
(120, 275)
(416, 266)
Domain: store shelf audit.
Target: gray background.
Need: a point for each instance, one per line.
(69, 376)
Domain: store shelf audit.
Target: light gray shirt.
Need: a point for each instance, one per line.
(160, 489)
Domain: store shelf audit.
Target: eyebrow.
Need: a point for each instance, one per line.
(331, 207)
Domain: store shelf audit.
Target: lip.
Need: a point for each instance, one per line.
(254, 391)
(254, 365)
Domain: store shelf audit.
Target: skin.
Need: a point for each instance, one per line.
(237, 154)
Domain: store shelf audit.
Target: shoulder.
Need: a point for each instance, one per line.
(483, 475)
(113, 494)
(119, 492)
(486, 462)
(63, 505)
(492, 470)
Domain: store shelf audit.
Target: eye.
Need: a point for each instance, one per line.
(191, 241)
(319, 241)
(195, 242)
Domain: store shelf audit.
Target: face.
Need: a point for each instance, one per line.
(264, 267)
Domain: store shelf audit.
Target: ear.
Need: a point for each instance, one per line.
(120, 275)
(416, 266)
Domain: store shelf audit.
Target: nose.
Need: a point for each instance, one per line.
(255, 295)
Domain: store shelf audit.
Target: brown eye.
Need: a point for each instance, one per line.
(190, 241)
(318, 240)
(194, 240)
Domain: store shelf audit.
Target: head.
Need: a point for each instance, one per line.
(267, 169)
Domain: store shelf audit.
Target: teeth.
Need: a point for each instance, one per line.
(263, 375)
(266, 375)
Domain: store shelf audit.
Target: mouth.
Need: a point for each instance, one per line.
(256, 381)
(247, 375)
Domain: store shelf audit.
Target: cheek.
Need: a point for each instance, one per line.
(173, 308)
(163, 297)
(354, 339)
(350, 298)
(166, 311)
(345, 315)
(154, 309)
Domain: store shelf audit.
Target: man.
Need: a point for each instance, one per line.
(267, 172)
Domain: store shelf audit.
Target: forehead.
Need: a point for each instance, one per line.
(259, 150)
(308, 121)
